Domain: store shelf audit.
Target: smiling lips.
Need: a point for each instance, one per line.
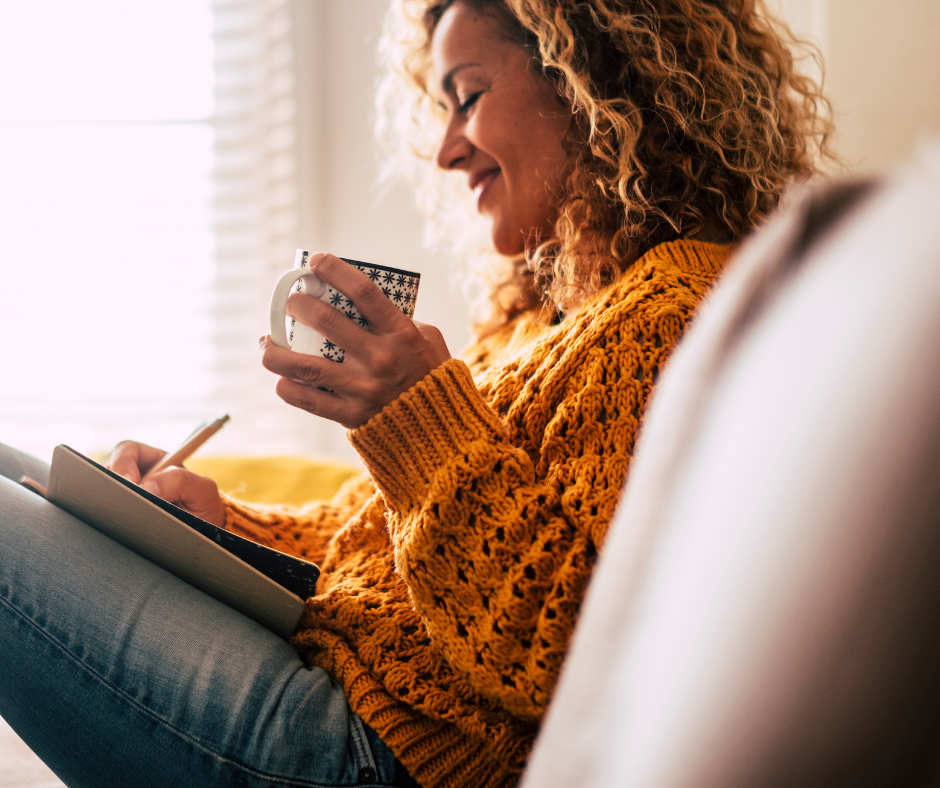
(480, 181)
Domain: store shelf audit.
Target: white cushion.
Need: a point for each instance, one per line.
(766, 609)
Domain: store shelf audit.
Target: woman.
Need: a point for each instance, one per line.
(616, 150)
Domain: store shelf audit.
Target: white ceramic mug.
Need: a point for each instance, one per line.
(401, 287)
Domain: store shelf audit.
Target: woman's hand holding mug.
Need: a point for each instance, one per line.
(196, 494)
(385, 352)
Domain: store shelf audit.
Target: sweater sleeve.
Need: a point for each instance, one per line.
(304, 531)
(495, 541)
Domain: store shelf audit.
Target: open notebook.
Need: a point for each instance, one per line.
(268, 586)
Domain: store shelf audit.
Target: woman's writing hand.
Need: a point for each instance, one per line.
(196, 494)
(381, 362)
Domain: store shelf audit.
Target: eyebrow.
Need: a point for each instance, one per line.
(447, 84)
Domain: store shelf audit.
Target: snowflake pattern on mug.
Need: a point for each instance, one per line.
(401, 287)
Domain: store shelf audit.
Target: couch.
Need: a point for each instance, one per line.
(766, 607)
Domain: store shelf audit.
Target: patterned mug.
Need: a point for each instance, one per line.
(401, 287)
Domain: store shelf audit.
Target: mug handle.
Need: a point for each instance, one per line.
(314, 286)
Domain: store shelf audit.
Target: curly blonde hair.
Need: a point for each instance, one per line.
(691, 119)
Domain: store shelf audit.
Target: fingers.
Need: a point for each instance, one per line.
(345, 393)
(132, 460)
(380, 364)
(328, 321)
(383, 317)
(350, 412)
(371, 302)
(196, 494)
(358, 392)
(309, 370)
(358, 388)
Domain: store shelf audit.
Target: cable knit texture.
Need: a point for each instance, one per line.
(454, 570)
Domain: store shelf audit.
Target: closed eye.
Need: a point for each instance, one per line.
(470, 101)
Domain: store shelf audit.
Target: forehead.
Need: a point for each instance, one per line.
(464, 37)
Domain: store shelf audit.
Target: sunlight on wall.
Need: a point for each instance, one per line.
(106, 245)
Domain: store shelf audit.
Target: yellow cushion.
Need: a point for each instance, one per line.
(289, 480)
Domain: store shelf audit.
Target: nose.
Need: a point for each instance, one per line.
(455, 149)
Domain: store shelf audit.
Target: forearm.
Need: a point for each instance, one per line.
(495, 558)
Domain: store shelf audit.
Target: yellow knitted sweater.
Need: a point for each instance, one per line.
(453, 571)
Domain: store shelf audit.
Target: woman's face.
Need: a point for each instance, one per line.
(505, 126)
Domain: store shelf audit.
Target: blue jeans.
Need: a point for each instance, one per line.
(116, 673)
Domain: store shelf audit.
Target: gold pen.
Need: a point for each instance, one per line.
(200, 435)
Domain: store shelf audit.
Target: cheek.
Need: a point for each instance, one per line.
(542, 174)
(493, 136)
(536, 158)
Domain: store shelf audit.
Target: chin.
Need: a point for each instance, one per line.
(508, 243)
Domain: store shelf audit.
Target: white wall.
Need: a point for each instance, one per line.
(884, 78)
(882, 67)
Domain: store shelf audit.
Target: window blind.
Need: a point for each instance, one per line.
(149, 200)
(106, 246)
(256, 208)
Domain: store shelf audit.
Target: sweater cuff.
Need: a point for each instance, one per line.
(233, 514)
(418, 433)
(244, 521)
